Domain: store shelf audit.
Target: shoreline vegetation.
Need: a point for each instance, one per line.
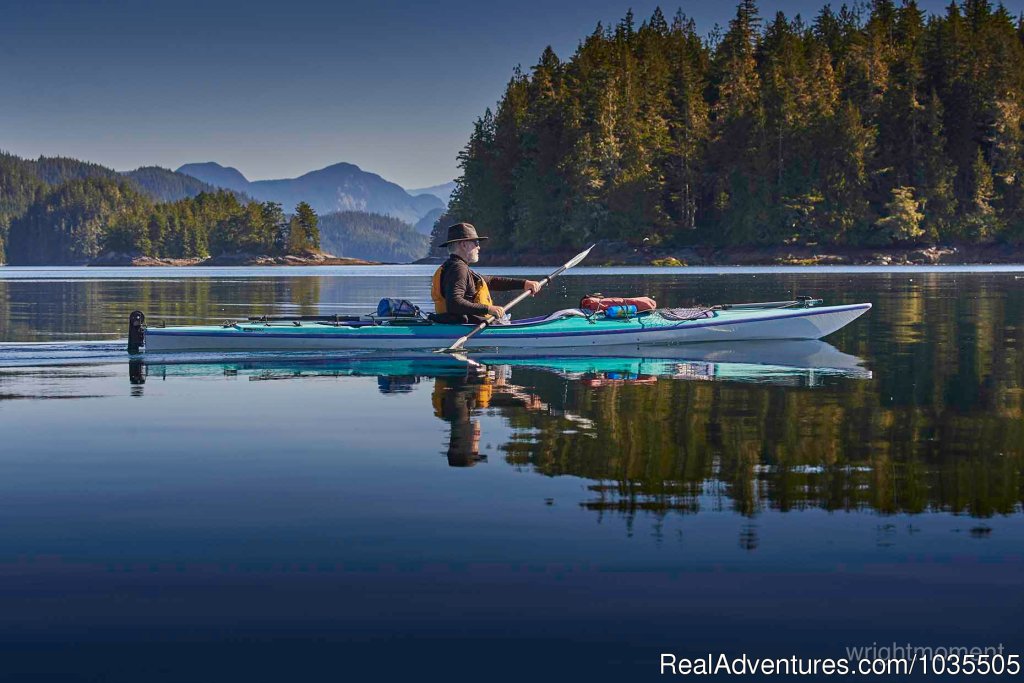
(611, 254)
(236, 259)
(622, 254)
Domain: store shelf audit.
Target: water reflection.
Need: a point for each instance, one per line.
(654, 430)
(680, 429)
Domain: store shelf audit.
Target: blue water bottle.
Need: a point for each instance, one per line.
(627, 311)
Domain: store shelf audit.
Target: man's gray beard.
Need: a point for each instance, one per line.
(474, 256)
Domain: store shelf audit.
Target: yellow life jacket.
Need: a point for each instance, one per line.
(483, 294)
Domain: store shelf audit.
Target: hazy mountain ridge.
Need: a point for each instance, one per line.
(213, 173)
(339, 187)
(442, 191)
(425, 225)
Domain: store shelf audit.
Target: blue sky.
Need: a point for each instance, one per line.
(277, 89)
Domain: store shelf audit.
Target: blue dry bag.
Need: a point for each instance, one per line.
(396, 308)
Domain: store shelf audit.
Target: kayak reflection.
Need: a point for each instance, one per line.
(794, 363)
(804, 362)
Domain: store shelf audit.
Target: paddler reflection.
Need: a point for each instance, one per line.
(459, 399)
(455, 400)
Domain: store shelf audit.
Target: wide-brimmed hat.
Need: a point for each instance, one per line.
(460, 232)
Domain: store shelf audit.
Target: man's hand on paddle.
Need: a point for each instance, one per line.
(496, 311)
(531, 286)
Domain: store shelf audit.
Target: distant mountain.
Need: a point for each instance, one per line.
(425, 225)
(221, 176)
(371, 236)
(164, 185)
(341, 187)
(442, 192)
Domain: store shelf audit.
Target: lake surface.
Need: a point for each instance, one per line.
(350, 518)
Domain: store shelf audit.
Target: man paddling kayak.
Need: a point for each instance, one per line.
(459, 294)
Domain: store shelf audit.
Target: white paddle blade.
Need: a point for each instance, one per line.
(458, 344)
(579, 257)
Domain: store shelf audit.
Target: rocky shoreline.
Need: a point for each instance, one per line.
(609, 253)
(241, 259)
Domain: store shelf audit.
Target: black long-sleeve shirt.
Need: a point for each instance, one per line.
(458, 286)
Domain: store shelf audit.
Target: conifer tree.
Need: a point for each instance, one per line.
(688, 124)
(739, 193)
(276, 225)
(304, 231)
(902, 219)
(981, 222)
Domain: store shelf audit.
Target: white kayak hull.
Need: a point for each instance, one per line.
(725, 326)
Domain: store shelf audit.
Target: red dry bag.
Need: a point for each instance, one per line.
(599, 302)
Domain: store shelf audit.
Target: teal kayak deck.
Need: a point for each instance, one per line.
(573, 325)
(562, 329)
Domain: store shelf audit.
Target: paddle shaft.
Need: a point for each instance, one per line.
(489, 319)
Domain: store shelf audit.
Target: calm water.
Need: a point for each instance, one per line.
(357, 518)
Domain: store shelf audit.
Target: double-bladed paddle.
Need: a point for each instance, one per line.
(489, 319)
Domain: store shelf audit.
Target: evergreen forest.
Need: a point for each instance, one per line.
(866, 125)
(371, 236)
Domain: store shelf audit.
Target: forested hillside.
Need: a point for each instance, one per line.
(24, 181)
(866, 126)
(372, 237)
(79, 220)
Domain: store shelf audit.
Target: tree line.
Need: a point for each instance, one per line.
(372, 236)
(80, 219)
(870, 125)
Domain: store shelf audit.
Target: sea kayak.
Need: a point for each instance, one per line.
(569, 328)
